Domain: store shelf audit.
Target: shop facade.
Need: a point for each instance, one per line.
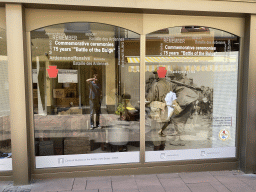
(84, 89)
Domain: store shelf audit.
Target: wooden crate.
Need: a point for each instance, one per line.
(76, 150)
(35, 93)
(58, 146)
(79, 145)
(46, 148)
(58, 93)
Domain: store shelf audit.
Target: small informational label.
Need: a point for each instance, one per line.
(190, 154)
(86, 159)
(222, 121)
(67, 76)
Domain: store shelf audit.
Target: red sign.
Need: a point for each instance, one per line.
(161, 72)
(53, 71)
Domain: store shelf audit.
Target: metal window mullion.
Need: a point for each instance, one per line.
(142, 98)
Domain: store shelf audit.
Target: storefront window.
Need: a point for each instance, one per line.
(86, 95)
(5, 130)
(191, 93)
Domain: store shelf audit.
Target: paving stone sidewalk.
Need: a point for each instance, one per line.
(221, 181)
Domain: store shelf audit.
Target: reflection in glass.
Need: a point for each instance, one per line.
(86, 93)
(191, 93)
(5, 130)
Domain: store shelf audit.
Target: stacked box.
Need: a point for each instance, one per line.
(58, 93)
(35, 93)
(79, 145)
(68, 92)
(58, 146)
(46, 148)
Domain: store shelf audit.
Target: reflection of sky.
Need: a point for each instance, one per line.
(202, 78)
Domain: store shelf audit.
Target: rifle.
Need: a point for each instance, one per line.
(188, 86)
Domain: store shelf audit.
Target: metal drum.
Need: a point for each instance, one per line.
(118, 136)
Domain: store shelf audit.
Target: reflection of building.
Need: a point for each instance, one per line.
(137, 21)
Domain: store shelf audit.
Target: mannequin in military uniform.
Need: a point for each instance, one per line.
(158, 92)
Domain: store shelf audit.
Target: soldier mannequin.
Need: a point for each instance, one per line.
(156, 93)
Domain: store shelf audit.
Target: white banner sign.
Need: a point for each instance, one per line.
(67, 76)
(6, 164)
(87, 159)
(191, 154)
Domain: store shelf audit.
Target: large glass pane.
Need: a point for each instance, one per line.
(86, 95)
(5, 130)
(191, 93)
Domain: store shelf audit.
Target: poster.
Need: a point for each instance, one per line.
(67, 76)
(203, 66)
